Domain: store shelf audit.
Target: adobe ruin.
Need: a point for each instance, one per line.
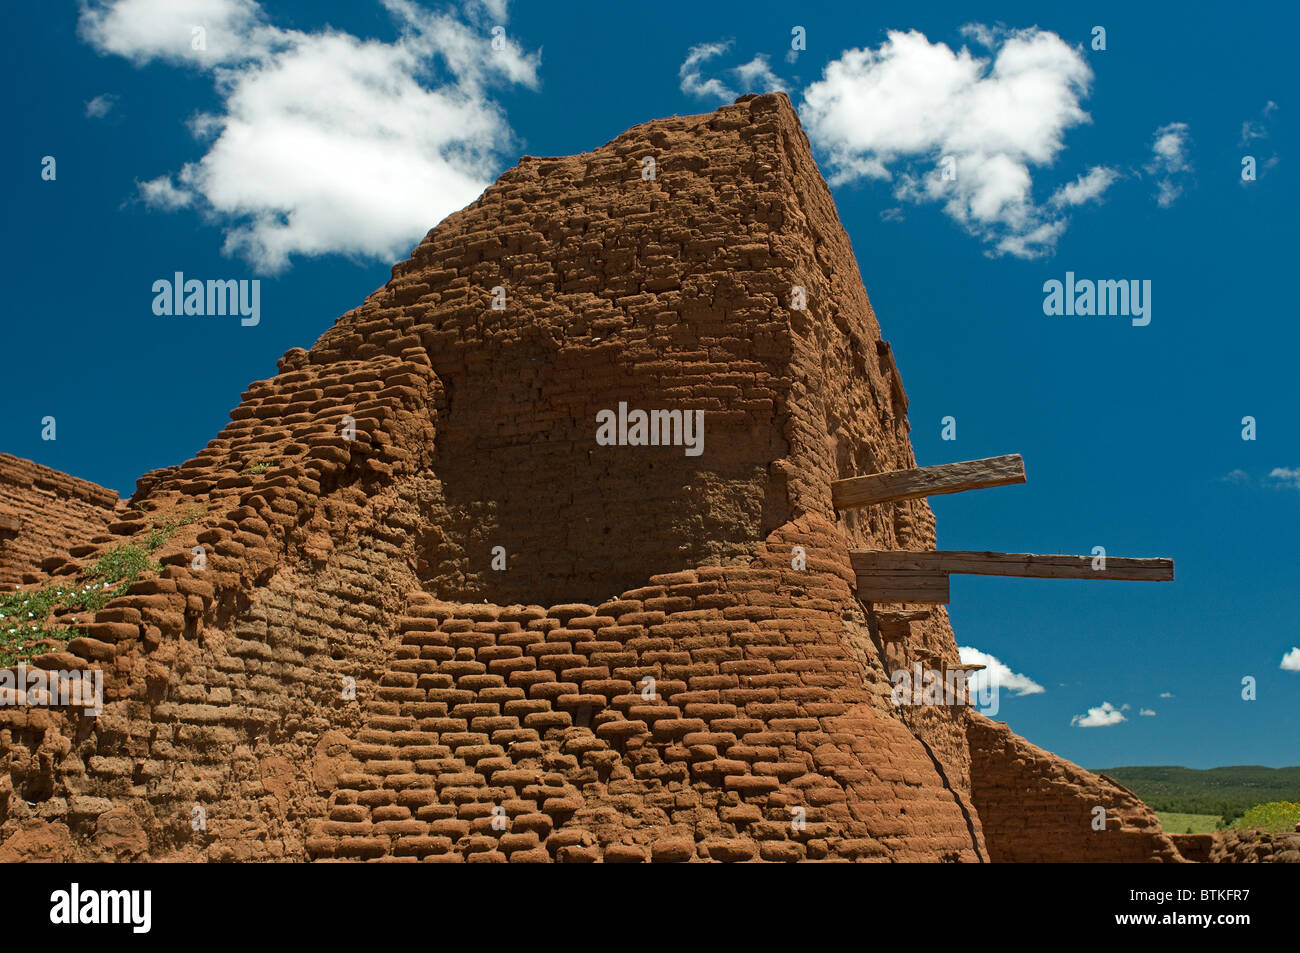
(654, 675)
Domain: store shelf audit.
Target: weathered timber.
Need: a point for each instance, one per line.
(901, 615)
(896, 566)
(903, 587)
(927, 481)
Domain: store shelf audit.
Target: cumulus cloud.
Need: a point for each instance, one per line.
(1169, 162)
(183, 32)
(1166, 694)
(996, 675)
(756, 76)
(326, 142)
(100, 106)
(1102, 716)
(1291, 661)
(1146, 712)
(960, 130)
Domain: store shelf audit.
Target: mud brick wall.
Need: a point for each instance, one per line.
(348, 678)
(1035, 806)
(224, 682)
(43, 515)
(671, 293)
(1255, 847)
(667, 294)
(759, 716)
(1195, 847)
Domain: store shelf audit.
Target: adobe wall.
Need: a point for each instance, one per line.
(664, 294)
(347, 677)
(1236, 846)
(762, 738)
(224, 713)
(1035, 806)
(44, 513)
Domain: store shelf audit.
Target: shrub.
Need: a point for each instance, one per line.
(126, 562)
(1273, 816)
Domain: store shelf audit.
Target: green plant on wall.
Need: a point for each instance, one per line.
(26, 616)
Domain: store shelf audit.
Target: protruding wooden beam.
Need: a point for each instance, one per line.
(899, 566)
(927, 481)
(903, 587)
(901, 615)
(895, 625)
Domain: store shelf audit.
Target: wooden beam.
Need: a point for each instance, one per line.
(895, 625)
(901, 615)
(927, 481)
(903, 587)
(896, 566)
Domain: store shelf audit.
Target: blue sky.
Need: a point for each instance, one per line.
(1132, 436)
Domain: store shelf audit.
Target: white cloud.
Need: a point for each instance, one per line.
(693, 81)
(495, 10)
(983, 35)
(1102, 716)
(996, 675)
(1287, 476)
(326, 143)
(1146, 712)
(756, 76)
(1291, 661)
(895, 112)
(1086, 188)
(1169, 162)
(100, 106)
(1166, 694)
(195, 33)
(160, 193)
(1253, 129)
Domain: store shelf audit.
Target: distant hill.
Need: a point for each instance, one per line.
(1228, 792)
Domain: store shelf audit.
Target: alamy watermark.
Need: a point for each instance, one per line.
(53, 688)
(178, 296)
(75, 906)
(1085, 297)
(653, 428)
(929, 686)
